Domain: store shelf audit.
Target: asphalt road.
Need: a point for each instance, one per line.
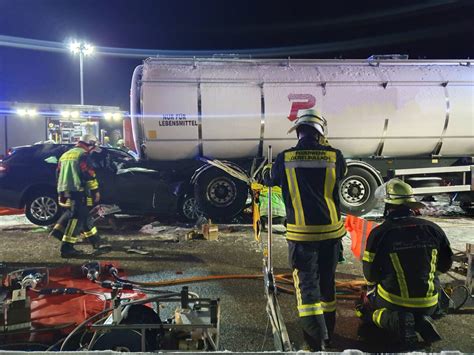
(244, 320)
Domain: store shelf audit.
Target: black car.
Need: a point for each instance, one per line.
(28, 180)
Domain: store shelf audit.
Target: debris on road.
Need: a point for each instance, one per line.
(153, 228)
(192, 235)
(437, 209)
(136, 250)
(22, 227)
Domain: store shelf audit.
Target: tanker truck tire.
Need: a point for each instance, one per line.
(219, 195)
(356, 192)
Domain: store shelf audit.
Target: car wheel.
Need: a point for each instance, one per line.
(189, 209)
(42, 208)
(219, 195)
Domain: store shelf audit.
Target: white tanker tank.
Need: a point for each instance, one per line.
(382, 114)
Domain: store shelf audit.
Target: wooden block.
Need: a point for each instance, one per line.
(190, 235)
(210, 231)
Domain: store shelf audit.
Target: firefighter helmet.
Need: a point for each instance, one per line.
(398, 192)
(313, 119)
(88, 139)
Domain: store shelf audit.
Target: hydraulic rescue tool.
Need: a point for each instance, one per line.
(280, 334)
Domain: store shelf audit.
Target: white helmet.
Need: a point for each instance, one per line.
(89, 139)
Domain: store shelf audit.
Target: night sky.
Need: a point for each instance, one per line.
(441, 29)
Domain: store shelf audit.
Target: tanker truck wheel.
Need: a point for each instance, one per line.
(219, 195)
(356, 191)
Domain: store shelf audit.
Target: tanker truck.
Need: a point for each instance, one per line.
(208, 122)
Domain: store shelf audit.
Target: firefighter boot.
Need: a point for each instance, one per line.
(425, 327)
(68, 251)
(98, 245)
(57, 233)
(311, 343)
(330, 319)
(406, 329)
(314, 332)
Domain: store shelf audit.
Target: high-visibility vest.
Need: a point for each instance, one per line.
(69, 178)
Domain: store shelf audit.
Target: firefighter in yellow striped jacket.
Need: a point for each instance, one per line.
(401, 260)
(78, 189)
(309, 175)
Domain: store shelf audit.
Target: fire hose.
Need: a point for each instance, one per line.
(347, 289)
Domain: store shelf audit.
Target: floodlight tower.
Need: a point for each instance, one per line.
(84, 50)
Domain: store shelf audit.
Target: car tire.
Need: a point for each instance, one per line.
(41, 207)
(219, 195)
(356, 192)
(188, 208)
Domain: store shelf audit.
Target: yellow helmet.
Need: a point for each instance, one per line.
(398, 192)
(313, 119)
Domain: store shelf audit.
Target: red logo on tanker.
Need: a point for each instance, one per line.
(300, 102)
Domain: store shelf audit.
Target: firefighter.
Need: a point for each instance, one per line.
(309, 175)
(401, 260)
(77, 189)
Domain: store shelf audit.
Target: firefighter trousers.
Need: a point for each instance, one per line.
(75, 220)
(314, 267)
(385, 315)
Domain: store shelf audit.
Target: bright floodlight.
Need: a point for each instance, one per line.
(117, 116)
(75, 47)
(65, 114)
(81, 47)
(87, 49)
(75, 114)
(21, 112)
(31, 112)
(84, 50)
(108, 116)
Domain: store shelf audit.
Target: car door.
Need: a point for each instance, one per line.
(142, 190)
(145, 192)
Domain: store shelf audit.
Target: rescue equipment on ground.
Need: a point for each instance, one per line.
(92, 308)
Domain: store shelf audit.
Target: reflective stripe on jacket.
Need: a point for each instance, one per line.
(75, 173)
(402, 256)
(309, 175)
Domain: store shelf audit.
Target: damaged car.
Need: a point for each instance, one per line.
(28, 180)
